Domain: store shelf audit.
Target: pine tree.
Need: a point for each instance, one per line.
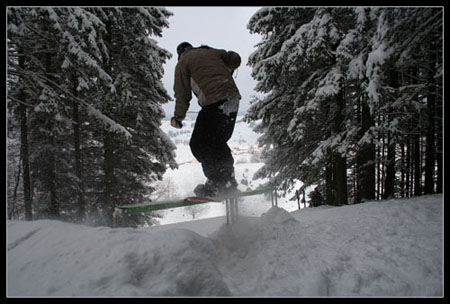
(135, 64)
(280, 81)
(310, 100)
(85, 83)
(54, 48)
(352, 54)
(341, 96)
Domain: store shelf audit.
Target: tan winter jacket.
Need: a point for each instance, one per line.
(208, 73)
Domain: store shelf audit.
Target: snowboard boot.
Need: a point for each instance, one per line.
(211, 189)
(206, 190)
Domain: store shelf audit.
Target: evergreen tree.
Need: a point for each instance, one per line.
(339, 89)
(307, 111)
(82, 82)
(135, 64)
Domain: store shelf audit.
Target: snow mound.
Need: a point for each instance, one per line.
(249, 231)
(277, 216)
(61, 259)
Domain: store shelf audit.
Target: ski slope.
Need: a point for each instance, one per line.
(376, 249)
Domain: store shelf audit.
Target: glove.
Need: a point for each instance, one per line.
(176, 123)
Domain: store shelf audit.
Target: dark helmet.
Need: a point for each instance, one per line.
(181, 47)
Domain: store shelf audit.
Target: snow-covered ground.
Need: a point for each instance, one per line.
(385, 248)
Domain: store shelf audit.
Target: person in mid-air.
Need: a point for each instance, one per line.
(208, 73)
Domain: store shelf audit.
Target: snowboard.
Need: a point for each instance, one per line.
(188, 201)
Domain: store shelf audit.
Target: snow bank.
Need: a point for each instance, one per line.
(50, 258)
(386, 248)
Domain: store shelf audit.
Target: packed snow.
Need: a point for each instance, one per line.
(386, 248)
(381, 248)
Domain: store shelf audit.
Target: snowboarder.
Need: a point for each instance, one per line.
(208, 73)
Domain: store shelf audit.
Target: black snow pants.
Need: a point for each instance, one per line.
(209, 146)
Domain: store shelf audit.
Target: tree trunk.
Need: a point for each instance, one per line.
(379, 169)
(25, 153)
(402, 170)
(367, 157)
(340, 161)
(408, 167)
(430, 139)
(108, 147)
(340, 179)
(78, 158)
(109, 202)
(357, 183)
(389, 182)
(329, 199)
(417, 167)
(25, 163)
(54, 207)
(439, 160)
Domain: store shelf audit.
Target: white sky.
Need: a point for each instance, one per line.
(218, 27)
